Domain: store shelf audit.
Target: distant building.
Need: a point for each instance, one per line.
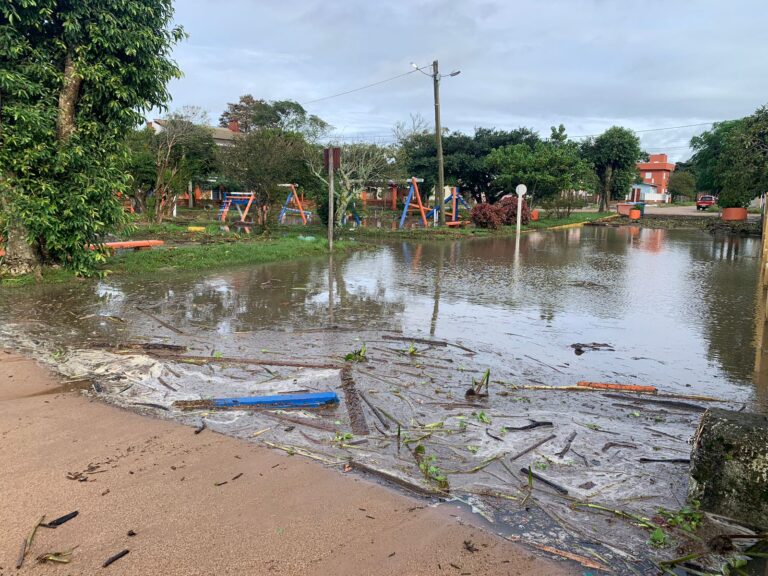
(221, 136)
(656, 172)
(644, 193)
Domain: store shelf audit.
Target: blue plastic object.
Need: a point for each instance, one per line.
(313, 399)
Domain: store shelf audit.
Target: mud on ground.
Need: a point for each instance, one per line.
(567, 471)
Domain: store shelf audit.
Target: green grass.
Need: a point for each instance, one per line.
(48, 276)
(215, 249)
(575, 218)
(472, 232)
(220, 255)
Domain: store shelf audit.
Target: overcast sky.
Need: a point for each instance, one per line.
(588, 64)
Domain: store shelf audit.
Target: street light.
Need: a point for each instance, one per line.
(439, 191)
(520, 190)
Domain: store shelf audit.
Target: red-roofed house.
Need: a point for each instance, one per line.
(656, 172)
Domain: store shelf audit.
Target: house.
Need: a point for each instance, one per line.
(656, 172)
(643, 192)
(221, 136)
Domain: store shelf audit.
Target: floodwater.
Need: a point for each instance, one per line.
(676, 306)
(669, 308)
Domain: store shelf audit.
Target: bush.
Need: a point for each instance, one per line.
(507, 210)
(486, 216)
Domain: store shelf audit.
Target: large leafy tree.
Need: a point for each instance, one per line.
(682, 184)
(464, 157)
(731, 159)
(547, 168)
(744, 162)
(263, 159)
(75, 78)
(614, 156)
(252, 114)
(708, 160)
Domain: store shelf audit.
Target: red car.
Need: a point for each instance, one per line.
(705, 202)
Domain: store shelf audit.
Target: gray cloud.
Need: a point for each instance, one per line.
(588, 64)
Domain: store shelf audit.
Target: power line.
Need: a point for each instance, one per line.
(363, 87)
(656, 129)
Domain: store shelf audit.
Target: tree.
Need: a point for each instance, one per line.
(361, 165)
(708, 160)
(744, 162)
(265, 158)
(614, 156)
(548, 168)
(181, 150)
(252, 114)
(464, 157)
(75, 78)
(682, 184)
(731, 159)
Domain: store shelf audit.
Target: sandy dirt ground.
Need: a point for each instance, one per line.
(271, 513)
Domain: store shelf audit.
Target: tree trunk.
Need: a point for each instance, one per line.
(20, 257)
(140, 202)
(605, 193)
(70, 92)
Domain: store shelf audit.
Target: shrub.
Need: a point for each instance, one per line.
(486, 216)
(507, 210)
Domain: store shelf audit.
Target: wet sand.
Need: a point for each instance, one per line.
(274, 515)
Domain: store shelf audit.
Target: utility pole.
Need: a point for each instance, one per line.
(330, 199)
(440, 188)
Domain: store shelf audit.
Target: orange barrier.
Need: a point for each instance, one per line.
(128, 244)
(621, 387)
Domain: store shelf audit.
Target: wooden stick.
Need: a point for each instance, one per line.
(543, 363)
(568, 442)
(114, 558)
(161, 322)
(622, 387)
(532, 447)
(546, 481)
(583, 389)
(422, 490)
(584, 561)
(376, 411)
(22, 554)
(427, 342)
(321, 425)
(27, 544)
(255, 362)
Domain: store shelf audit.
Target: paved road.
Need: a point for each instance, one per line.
(672, 210)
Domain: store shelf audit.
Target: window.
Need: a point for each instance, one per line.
(648, 175)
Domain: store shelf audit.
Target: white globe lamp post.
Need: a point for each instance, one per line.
(520, 190)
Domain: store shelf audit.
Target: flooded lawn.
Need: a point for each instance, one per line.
(669, 308)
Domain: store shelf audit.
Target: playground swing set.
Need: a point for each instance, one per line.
(293, 205)
(244, 202)
(454, 200)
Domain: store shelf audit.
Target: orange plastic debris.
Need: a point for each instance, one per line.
(623, 387)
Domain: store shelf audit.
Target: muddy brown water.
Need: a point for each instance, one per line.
(669, 308)
(677, 306)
